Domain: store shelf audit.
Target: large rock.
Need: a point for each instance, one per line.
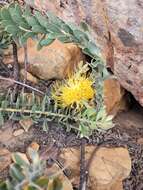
(107, 168)
(118, 29)
(52, 62)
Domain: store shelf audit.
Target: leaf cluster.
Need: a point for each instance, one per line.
(40, 109)
(44, 110)
(29, 174)
(92, 120)
(5, 41)
(21, 24)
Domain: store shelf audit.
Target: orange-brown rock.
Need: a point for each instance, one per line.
(114, 96)
(51, 62)
(107, 168)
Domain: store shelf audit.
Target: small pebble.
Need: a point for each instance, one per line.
(18, 132)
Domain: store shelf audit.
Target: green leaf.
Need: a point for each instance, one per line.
(5, 14)
(64, 39)
(15, 172)
(3, 186)
(6, 23)
(73, 26)
(12, 30)
(100, 114)
(53, 35)
(16, 18)
(89, 112)
(66, 29)
(43, 21)
(17, 103)
(24, 26)
(1, 119)
(57, 184)
(38, 29)
(42, 182)
(19, 160)
(88, 52)
(16, 15)
(34, 107)
(34, 156)
(9, 185)
(4, 104)
(29, 187)
(11, 5)
(43, 105)
(45, 126)
(39, 47)
(106, 74)
(93, 49)
(84, 26)
(82, 37)
(46, 42)
(12, 115)
(84, 130)
(53, 28)
(103, 121)
(18, 9)
(31, 20)
(27, 11)
(54, 19)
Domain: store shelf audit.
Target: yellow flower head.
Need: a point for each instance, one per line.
(74, 90)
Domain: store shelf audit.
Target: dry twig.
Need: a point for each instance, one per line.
(22, 84)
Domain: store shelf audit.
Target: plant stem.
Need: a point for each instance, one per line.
(30, 112)
(25, 62)
(48, 113)
(83, 173)
(16, 65)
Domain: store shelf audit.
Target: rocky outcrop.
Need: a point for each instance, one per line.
(117, 28)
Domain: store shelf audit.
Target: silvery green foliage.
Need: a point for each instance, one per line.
(22, 24)
(83, 121)
(29, 174)
(92, 120)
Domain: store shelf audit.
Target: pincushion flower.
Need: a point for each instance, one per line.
(74, 91)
